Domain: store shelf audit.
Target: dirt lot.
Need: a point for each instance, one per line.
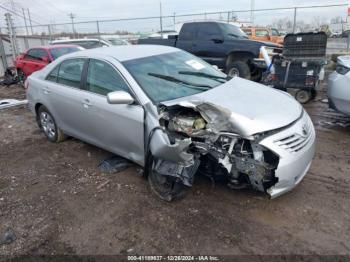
(57, 202)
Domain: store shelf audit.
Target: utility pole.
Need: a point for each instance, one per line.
(174, 20)
(252, 7)
(161, 19)
(295, 20)
(30, 22)
(12, 35)
(72, 16)
(25, 21)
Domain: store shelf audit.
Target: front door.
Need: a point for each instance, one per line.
(116, 128)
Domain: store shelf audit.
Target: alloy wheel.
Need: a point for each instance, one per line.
(47, 124)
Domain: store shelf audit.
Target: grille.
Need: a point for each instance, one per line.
(297, 141)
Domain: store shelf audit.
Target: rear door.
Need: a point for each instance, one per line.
(187, 37)
(116, 128)
(209, 44)
(64, 95)
(34, 60)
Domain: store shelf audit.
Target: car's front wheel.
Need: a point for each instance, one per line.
(239, 68)
(167, 188)
(48, 125)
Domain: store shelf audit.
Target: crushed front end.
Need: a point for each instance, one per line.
(272, 162)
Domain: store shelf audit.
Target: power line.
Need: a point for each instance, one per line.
(15, 13)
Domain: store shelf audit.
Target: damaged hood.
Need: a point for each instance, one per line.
(243, 107)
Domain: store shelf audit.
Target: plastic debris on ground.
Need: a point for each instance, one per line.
(114, 164)
(8, 237)
(6, 103)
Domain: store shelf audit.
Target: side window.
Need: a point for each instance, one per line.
(261, 33)
(207, 31)
(247, 31)
(89, 44)
(53, 74)
(103, 78)
(36, 54)
(274, 32)
(188, 32)
(70, 72)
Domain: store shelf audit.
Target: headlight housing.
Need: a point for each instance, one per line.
(343, 70)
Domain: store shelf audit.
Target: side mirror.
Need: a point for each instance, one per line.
(216, 67)
(120, 98)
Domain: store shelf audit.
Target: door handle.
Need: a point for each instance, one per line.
(86, 103)
(46, 91)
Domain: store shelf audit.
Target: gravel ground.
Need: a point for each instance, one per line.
(55, 201)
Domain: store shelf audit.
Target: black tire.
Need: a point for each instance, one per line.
(303, 96)
(167, 188)
(239, 68)
(47, 124)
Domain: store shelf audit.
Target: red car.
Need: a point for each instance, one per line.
(37, 58)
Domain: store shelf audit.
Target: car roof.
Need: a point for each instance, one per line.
(126, 52)
(49, 47)
(76, 40)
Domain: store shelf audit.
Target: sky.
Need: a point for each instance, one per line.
(57, 11)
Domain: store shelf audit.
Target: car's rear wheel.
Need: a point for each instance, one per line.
(48, 125)
(167, 188)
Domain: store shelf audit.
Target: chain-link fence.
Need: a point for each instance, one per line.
(289, 19)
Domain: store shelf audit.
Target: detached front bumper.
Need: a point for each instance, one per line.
(296, 149)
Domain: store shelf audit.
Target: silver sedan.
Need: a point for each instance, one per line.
(339, 86)
(177, 117)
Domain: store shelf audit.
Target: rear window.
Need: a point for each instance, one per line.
(188, 32)
(57, 52)
(70, 72)
(261, 33)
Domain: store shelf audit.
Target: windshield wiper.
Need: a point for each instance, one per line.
(201, 74)
(180, 81)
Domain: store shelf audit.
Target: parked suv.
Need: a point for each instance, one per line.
(264, 34)
(37, 58)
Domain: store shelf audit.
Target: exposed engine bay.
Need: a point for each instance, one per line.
(217, 152)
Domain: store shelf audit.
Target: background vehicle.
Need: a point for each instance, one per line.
(85, 43)
(339, 86)
(116, 41)
(36, 58)
(163, 34)
(174, 114)
(264, 34)
(220, 44)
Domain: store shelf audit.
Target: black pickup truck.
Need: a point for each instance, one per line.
(220, 44)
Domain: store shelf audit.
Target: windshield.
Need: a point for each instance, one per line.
(57, 52)
(173, 75)
(232, 31)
